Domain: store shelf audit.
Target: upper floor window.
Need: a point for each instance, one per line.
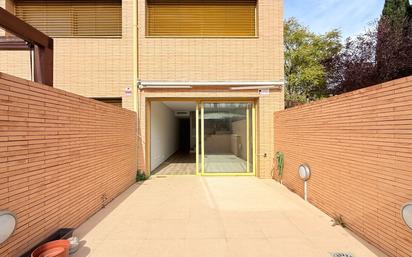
(201, 18)
(73, 18)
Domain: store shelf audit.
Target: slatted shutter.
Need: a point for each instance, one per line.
(201, 18)
(72, 18)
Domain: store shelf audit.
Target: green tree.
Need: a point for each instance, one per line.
(396, 11)
(393, 50)
(305, 55)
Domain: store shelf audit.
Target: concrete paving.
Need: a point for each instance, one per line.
(182, 216)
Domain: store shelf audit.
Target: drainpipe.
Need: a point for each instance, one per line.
(135, 55)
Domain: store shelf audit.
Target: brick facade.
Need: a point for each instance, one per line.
(91, 67)
(62, 157)
(359, 148)
(215, 59)
(103, 67)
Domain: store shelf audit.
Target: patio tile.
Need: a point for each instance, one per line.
(279, 228)
(160, 248)
(213, 217)
(251, 247)
(167, 229)
(242, 229)
(294, 247)
(207, 229)
(206, 248)
(120, 247)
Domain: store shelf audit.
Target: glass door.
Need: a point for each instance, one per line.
(226, 145)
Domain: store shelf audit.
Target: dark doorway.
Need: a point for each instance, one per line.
(184, 136)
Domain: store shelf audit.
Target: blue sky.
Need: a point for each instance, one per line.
(350, 16)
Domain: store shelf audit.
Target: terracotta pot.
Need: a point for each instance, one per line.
(57, 248)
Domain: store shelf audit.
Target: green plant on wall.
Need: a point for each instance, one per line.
(280, 160)
(140, 176)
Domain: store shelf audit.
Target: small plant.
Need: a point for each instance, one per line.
(140, 176)
(338, 221)
(104, 199)
(279, 160)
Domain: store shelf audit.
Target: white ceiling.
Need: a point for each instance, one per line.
(181, 106)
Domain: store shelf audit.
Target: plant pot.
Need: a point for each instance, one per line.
(57, 248)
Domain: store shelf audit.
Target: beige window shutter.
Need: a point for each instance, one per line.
(72, 18)
(201, 18)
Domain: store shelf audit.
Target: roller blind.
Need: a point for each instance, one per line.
(72, 18)
(201, 17)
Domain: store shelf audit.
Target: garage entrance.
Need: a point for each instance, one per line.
(202, 137)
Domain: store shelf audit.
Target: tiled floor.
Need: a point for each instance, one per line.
(177, 164)
(225, 163)
(185, 164)
(213, 217)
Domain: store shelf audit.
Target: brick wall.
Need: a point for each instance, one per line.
(59, 154)
(359, 148)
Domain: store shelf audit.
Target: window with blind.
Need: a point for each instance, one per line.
(201, 18)
(72, 18)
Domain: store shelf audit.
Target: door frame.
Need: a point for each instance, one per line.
(199, 109)
(248, 139)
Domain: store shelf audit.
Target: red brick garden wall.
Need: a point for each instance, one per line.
(359, 148)
(62, 157)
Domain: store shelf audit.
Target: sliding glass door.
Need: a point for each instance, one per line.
(226, 137)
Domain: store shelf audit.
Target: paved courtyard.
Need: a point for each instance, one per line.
(194, 216)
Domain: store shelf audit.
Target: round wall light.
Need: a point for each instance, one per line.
(8, 224)
(406, 214)
(304, 172)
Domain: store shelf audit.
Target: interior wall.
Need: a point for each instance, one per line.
(218, 144)
(164, 134)
(239, 144)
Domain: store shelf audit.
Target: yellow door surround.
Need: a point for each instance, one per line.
(200, 153)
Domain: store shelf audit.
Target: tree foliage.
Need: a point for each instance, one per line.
(305, 53)
(319, 65)
(355, 66)
(394, 41)
(381, 54)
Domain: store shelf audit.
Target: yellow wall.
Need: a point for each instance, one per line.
(212, 59)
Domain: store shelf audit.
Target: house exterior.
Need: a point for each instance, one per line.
(222, 59)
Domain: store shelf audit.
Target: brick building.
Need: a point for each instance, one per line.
(203, 76)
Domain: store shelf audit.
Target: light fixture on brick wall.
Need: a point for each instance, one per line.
(8, 223)
(304, 174)
(406, 214)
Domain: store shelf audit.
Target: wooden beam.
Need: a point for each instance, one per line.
(43, 45)
(13, 43)
(43, 65)
(23, 30)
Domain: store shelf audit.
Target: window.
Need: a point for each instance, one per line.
(73, 18)
(116, 101)
(214, 18)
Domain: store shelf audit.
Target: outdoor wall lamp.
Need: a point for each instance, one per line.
(304, 174)
(8, 223)
(406, 214)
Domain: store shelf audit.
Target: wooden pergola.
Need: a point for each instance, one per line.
(29, 38)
